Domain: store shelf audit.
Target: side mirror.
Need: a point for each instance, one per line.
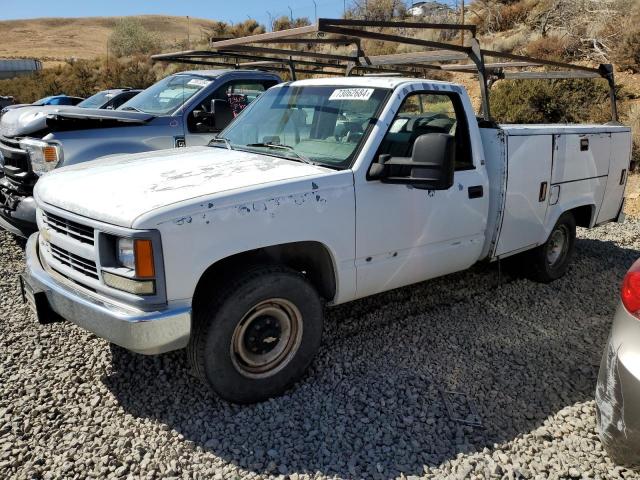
(431, 165)
(221, 113)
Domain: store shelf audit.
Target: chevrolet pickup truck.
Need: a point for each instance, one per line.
(175, 112)
(321, 192)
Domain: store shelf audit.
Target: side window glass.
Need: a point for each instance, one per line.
(424, 113)
(238, 94)
(119, 100)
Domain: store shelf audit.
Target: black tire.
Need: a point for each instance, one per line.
(546, 267)
(226, 333)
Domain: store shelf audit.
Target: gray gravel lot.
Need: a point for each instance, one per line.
(526, 354)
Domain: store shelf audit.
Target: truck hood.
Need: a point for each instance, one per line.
(75, 118)
(119, 189)
(26, 120)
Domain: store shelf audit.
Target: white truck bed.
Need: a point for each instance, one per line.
(536, 172)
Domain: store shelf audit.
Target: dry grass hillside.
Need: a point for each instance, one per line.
(57, 39)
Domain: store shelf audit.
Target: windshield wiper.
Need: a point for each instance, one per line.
(226, 142)
(131, 109)
(280, 146)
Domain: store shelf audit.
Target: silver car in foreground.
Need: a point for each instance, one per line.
(618, 390)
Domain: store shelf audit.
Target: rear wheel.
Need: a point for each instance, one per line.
(254, 338)
(550, 260)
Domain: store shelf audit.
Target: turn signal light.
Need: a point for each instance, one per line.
(631, 290)
(50, 154)
(144, 259)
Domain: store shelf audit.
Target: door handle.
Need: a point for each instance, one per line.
(542, 196)
(476, 191)
(623, 176)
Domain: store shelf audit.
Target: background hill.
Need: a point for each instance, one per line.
(54, 40)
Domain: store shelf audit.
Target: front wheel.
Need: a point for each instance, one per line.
(256, 337)
(550, 260)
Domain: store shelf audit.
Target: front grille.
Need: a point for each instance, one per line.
(75, 262)
(75, 230)
(16, 161)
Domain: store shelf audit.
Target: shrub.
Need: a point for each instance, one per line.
(628, 52)
(130, 37)
(377, 9)
(550, 48)
(555, 101)
(81, 78)
(513, 14)
(285, 23)
(631, 117)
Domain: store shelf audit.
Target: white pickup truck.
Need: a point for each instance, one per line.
(321, 192)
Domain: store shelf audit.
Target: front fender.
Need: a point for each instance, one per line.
(200, 234)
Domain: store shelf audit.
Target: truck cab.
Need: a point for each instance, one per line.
(175, 112)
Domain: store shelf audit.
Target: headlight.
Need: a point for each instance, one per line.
(126, 255)
(44, 156)
(137, 256)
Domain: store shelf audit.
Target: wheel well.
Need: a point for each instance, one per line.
(583, 215)
(310, 258)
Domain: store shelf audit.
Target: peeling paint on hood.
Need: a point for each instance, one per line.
(119, 189)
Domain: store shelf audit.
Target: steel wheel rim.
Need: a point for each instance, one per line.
(557, 245)
(267, 338)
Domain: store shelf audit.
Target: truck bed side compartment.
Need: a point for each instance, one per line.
(529, 159)
(617, 179)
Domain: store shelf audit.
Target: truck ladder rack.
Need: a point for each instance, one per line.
(287, 50)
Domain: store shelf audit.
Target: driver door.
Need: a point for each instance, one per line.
(406, 234)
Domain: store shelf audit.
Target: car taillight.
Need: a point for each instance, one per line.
(631, 289)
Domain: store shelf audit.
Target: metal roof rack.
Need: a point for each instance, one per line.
(277, 51)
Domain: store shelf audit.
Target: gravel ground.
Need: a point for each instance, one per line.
(524, 355)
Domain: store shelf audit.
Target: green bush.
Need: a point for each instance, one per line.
(550, 101)
(130, 37)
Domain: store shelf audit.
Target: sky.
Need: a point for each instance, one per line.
(225, 10)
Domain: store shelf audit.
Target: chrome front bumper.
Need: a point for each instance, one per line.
(143, 332)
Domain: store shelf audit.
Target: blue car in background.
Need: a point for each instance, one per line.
(58, 100)
(65, 100)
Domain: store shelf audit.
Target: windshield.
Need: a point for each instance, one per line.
(320, 124)
(166, 96)
(97, 100)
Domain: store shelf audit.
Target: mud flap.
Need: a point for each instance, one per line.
(38, 303)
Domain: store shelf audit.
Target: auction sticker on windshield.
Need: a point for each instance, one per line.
(352, 94)
(198, 82)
